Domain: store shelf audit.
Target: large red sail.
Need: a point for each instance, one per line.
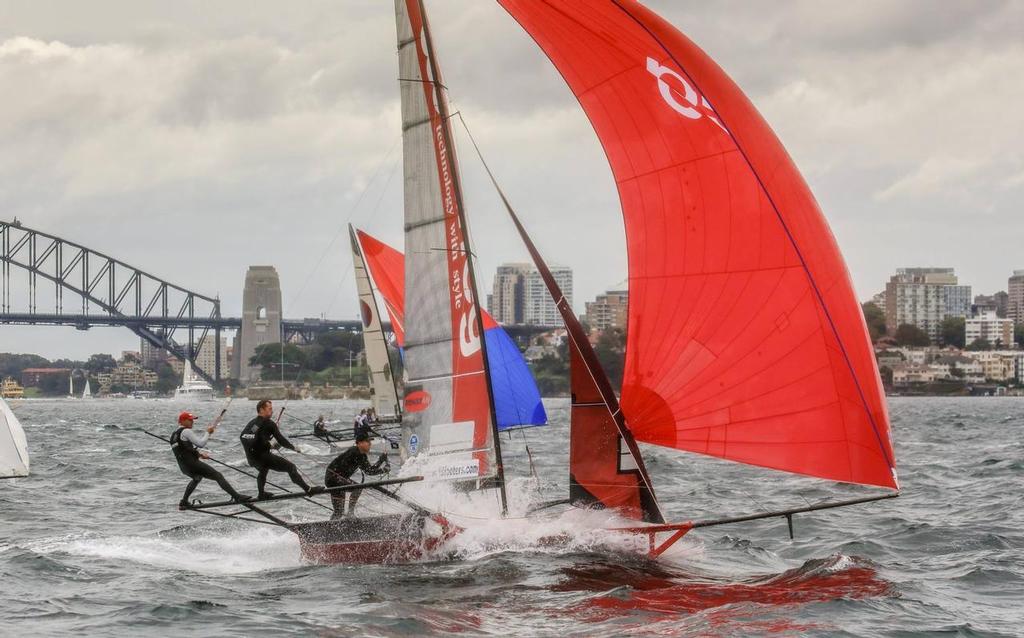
(745, 339)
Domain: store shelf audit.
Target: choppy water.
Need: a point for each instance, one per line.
(92, 544)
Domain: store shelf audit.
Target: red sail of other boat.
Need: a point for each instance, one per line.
(387, 271)
(745, 339)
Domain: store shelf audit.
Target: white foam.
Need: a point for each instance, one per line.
(239, 551)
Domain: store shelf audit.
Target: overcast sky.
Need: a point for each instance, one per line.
(192, 139)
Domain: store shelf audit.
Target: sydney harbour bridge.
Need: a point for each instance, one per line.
(67, 284)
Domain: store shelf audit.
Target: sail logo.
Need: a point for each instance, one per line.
(417, 401)
(689, 103)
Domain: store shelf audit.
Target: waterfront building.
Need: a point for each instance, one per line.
(997, 365)
(539, 308)
(1015, 294)
(9, 389)
(608, 310)
(970, 370)
(33, 377)
(985, 324)
(507, 301)
(923, 297)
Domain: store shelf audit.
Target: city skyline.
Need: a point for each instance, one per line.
(196, 142)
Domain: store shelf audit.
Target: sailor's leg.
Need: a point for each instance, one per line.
(191, 488)
(337, 500)
(261, 481)
(208, 472)
(353, 497)
(281, 464)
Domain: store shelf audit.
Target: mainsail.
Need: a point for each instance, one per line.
(448, 420)
(13, 445)
(745, 339)
(382, 378)
(517, 400)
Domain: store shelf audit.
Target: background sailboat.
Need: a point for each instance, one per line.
(14, 459)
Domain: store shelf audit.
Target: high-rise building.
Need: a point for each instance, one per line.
(1015, 293)
(151, 355)
(608, 310)
(539, 308)
(986, 325)
(923, 297)
(206, 356)
(507, 300)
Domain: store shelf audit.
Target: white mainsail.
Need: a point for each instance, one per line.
(383, 384)
(448, 418)
(13, 445)
(87, 392)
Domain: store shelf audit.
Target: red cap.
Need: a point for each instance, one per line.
(186, 416)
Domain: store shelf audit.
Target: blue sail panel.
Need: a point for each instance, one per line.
(516, 397)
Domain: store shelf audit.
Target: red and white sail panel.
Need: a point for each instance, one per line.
(447, 411)
(745, 339)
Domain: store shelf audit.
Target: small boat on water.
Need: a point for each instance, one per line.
(87, 391)
(14, 461)
(193, 387)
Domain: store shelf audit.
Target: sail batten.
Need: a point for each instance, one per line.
(737, 287)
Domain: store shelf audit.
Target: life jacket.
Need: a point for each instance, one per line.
(184, 450)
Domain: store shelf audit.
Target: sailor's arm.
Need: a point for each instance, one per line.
(280, 438)
(198, 439)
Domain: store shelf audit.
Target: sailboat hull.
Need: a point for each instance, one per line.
(397, 538)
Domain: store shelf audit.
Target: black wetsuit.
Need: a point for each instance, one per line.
(187, 455)
(256, 437)
(320, 431)
(340, 472)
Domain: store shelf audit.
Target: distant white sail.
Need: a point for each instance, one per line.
(87, 392)
(13, 445)
(382, 378)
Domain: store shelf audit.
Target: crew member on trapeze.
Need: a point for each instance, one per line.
(341, 469)
(187, 445)
(256, 441)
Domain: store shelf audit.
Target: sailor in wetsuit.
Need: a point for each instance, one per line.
(187, 444)
(341, 469)
(320, 430)
(256, 436)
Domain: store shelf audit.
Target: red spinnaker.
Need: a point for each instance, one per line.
(745, 339)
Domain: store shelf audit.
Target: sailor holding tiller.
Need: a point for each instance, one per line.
(341, 469)
(187, 445)
(256, 438)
